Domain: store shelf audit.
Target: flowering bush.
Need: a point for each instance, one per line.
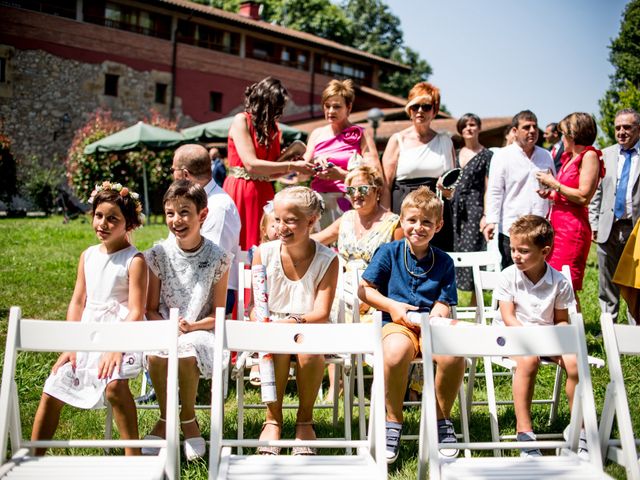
(84, 171)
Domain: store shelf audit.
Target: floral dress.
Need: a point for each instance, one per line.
(187, 280)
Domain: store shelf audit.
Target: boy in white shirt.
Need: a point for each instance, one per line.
(532, 293)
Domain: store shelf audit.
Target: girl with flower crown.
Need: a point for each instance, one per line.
(110, 287)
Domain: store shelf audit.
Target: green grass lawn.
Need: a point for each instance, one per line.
(38, 261)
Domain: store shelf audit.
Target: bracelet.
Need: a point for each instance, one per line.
(557, 189)
(288, 166)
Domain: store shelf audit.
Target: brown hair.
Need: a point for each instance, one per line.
(195, 159)
(579, 126)
(265, 101)
(535, 229)
(373, 176)
(186, 189)
(126, 204)
(423, 199)
(343, 88)
(526, 115)
(463, 120)
(427, 90)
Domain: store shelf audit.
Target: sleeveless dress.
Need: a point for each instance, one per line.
(358, 253)
(288, 296)
(107, 286)
(338, 150)
(423, 165)
(251, 195)
(467, 207)
(571, 222)
(187, 279)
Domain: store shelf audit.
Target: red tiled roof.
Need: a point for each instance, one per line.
(295, 35)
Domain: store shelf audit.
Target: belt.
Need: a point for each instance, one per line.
(241, 172)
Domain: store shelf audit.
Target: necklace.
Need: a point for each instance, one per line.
(406, 266)
(196, 248)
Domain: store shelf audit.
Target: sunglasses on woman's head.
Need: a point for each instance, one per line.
(425, 107)
(362, 190)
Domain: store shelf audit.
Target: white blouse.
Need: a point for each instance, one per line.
(425, 161)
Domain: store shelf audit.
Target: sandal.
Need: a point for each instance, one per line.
(254, 376)
(269, 450)
(152, 450)
(194, 447)
(308, 451)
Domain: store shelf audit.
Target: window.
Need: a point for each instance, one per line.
(208, 37)
(161, 93)
(111, 85)
(3, 70)
(215, 102)
(128, 18)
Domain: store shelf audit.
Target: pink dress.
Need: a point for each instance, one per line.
(571, 222)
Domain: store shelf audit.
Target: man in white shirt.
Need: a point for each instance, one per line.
(222, 225)
(615, 207)
(512, 188)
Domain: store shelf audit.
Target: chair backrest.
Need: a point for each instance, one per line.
(244, 283)
(347, 338)
(56, 336)
(488, 258)
(566, 272)
(348, 292)
(485, 281)
(472, 340)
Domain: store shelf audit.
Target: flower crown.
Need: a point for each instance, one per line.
(124, 192)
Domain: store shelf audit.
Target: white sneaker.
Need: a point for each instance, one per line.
(528, 452)
(194, 448)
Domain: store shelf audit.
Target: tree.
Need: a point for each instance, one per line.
(624, 91)
(373, 27)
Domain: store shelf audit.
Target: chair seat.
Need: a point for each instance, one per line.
(320, 467)
(559, 468)
(85, 467)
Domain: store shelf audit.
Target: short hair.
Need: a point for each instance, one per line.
(554, 127)
(629, 111)
(307, 200)
(463, 120)
(523, 115)
(343, 88)
(373, 176)
(195, 159)
(126, 204)
(186, 189)
(423, 199)
(581, 127)
(535, 229)
(427, 90)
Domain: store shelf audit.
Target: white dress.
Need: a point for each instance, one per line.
(187, 280)
(287, 296)
(107, 286)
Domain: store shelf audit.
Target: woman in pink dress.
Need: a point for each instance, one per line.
(337, 143)
(254, 147)
(571, 191)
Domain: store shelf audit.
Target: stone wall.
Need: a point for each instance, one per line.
(43, 88)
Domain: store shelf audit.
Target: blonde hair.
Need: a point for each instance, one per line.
(307, 200)
(372, 174)
(423, 199)
(263, 226)
(343, 88)
(534, 229)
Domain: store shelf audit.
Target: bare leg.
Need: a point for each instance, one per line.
(310, 370)
(569, 363)
(273, 426)
(124, 412)
(398, 352)
(46, 420)
(188, 378)
(158, 374)
(524, 380)
(449, 375)
(331, 369)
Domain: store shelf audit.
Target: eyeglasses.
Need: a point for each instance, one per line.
(626, 128)
(362, 190)
(425, 107)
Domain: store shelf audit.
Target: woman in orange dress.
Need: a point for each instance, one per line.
(254, 147)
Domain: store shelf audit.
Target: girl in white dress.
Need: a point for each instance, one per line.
(110, 287)
(188, 272)
(301, 279)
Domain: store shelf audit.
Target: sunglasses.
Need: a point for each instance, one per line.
(425, 107)
(362, 190)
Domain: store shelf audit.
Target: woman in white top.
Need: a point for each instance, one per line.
(417, 156)
(301, 283)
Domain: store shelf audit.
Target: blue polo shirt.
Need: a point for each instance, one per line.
(399, 275)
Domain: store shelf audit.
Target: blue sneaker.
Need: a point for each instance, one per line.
(447, 434)
(393, 432)
(528, 437)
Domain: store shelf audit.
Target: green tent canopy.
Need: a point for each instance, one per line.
(141, 135)
(218, 131)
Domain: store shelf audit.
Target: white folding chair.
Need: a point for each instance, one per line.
(48, 336)
(619, 340)
(299, 338)
(482, 341)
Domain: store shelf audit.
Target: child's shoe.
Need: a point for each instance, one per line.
(393, 432)
(583, 448)
(528, 437)
(447, 434)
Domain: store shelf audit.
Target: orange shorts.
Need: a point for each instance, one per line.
(416, 340)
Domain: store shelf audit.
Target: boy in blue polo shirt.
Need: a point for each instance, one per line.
(411, 275)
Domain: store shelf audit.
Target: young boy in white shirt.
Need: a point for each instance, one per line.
(532, 293)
